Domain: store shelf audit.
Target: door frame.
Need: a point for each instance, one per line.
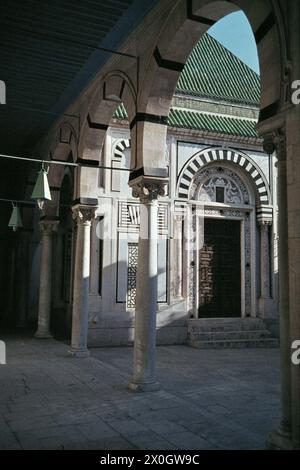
(195, 222)
(240, 223)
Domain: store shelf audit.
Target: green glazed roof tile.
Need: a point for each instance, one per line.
(213, 71)
(212, 122)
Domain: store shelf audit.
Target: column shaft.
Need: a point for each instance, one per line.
(177, 261)
(45, 290)
(144, 378)
(265, 291)
(80, 312)
(265, 260)
(285, 344)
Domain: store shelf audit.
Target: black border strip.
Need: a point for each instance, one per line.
(269, 111)
(87, 201)
(265, 27)
(88, 162)
(136, 173)
(122, 89)
(167, 64)
(200, 19)
(145, 117)
(96, 125)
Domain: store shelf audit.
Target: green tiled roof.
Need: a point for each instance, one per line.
(211, 122)
(121, 112)
(213, 71)
(201, 121)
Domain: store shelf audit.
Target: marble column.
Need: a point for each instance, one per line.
(23, 280)
(265, 292)
(144, 378)
(95, 260)
(83, 215)
(47, 227)
(281, 437)
(177, 261)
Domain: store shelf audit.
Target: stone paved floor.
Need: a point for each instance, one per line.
(213, 399)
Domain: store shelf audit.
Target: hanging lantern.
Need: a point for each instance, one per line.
(15, 220)
(41, 191)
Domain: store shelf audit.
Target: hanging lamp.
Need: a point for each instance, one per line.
(15, 220)
(41, 190)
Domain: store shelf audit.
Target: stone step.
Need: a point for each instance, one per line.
(235, 343)
(228, 335)
(208, 325)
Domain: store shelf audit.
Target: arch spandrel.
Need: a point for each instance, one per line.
(115, 88)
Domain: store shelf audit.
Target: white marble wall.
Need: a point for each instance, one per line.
(111, 322)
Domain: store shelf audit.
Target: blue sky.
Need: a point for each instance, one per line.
(235, 33)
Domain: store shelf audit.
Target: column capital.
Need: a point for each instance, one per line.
(48, 226)
(148, 189)
(84, 214)
(264, 214)
(265, 223)
(178, 217)
(276, 141)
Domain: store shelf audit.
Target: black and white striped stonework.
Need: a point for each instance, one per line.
(120, 147)
(214, 155)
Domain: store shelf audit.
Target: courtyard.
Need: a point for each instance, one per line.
(209, 399)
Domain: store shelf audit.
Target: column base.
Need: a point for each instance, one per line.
(79, 353)
(43, 335)
(144, 386)
(279, 440)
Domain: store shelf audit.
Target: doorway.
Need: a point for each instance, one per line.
(220, 270)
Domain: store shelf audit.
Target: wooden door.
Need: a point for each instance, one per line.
(220, 270)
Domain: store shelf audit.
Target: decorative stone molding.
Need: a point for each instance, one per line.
(219, 156)
(132, 274)
(129, 216)
(84, 214)
(264, 215)
(120, 148)
(193, 254)
(208, 179)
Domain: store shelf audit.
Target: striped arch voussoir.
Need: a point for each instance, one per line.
(214, 155)
(120, 147)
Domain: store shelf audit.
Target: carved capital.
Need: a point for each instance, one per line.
(276, 141)
(148, 190)
(83, 214)
(264, 223)
(47, 227)
(178, 218)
